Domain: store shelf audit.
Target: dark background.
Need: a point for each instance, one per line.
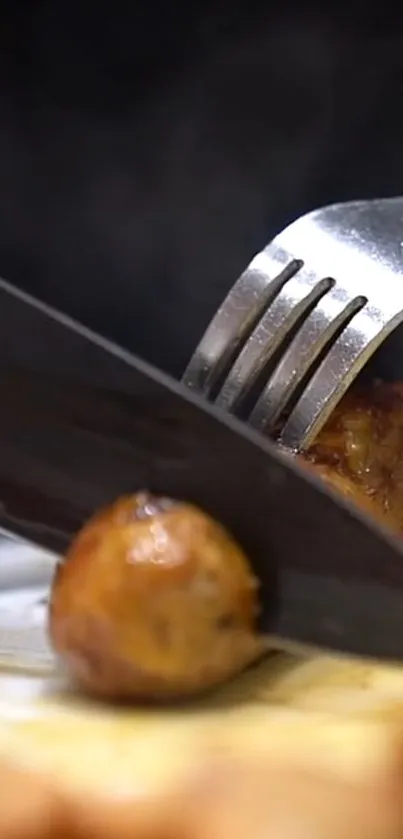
(147, 151)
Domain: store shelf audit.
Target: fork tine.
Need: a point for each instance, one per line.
(236, 317)
(344, 360)
(294, 301)
(323, 324)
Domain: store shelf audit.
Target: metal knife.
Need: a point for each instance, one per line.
(82, 421)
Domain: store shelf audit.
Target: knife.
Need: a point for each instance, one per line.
(82, 421)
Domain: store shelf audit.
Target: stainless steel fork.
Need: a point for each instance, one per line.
(304, 318)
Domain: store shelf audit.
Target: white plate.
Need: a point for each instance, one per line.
(25, 576)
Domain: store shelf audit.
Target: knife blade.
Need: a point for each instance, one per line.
(82, 422)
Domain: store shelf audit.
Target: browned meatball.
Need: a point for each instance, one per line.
(154, 600)
(359, 452)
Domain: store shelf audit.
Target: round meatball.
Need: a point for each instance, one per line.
(154, 600)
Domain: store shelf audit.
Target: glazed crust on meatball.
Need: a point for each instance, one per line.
(359, 451)
(154, 600)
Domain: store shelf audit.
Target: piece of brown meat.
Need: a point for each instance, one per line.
(153, 600)
(360, 451)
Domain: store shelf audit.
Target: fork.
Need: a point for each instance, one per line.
(304, 318)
